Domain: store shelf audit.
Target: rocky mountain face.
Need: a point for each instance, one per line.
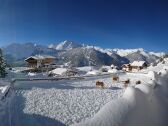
(139, 56)
(75, 54)
(88, 57)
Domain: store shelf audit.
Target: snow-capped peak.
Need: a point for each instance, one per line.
(65, 45)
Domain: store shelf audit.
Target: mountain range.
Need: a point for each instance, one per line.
(76, 54)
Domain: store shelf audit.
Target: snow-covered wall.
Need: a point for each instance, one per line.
(142, 105)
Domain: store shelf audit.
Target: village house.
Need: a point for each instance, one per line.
(138, 65)
(126, 67)
(135, 66)
(39, 61)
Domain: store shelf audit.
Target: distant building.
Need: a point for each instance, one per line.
(138, 65)
(38, 61)
(135, 66)
(126, 67)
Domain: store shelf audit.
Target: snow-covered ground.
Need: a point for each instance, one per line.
(63, 102)
(80, 102)
(142, 105)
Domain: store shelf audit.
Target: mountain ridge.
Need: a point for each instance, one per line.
(18, 52)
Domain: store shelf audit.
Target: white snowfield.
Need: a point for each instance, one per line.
(142, 105)
(63, 102)
(80, 102)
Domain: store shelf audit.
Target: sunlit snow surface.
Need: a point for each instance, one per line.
(66, 102)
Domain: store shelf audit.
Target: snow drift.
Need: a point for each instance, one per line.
(142, 105)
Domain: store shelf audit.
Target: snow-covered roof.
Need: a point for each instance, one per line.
(40, 57)
(138, 63)
(166, 59)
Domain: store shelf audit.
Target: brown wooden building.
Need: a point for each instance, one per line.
(138, 65)
(38, 61)
(126, 67)
(134, 66)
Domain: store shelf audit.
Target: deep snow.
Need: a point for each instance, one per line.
(79, 102)
(142, 105)
(63, 102)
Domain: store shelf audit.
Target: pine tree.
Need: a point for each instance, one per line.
(2, 65)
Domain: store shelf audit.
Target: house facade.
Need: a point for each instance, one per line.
(134, 66)
(126, 67)
(138, 65)
(38, 61)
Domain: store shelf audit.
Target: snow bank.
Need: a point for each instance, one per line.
(66, 101)
(58, 71)
(152, 75)
(142, 105)
(93, 72)
(3, 91)
(19, 69)
(31, 74)
(86, 68)
(112, 71)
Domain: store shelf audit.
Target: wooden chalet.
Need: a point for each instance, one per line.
(134, 66)
(126, 67)
(38, 61)
(138, 65)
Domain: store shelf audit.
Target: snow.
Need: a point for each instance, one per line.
(79, 102)
(58, 71)
(94, 72)
(3, 89)
(166, 60)
(138, 63)
(67, 102)
(32, 74)
(144, 104)
(86, 68)
(67, 45)
(125, 52)
(106, 67)
(19, 69)
(113, 71)
(165, 67)
(160, 54)
(152, 75)
(40, 57)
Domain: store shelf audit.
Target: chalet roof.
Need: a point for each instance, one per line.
(40, 57)
(138, 63)
(126, 64)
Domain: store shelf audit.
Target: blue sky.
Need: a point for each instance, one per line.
(105, 23)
